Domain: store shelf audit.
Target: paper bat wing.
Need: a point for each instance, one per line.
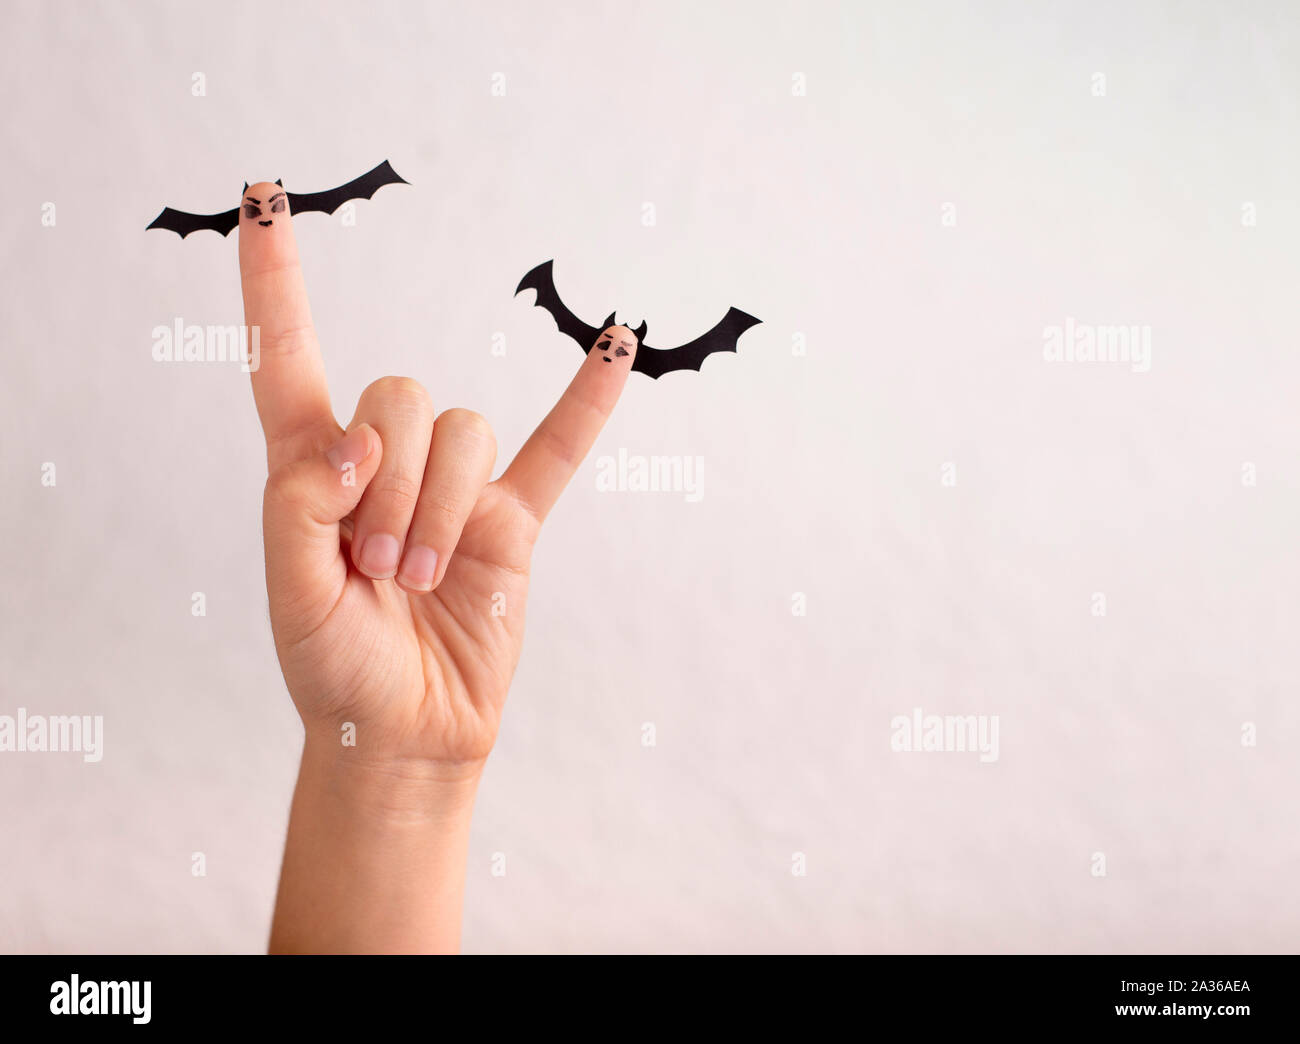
(359, 188)
(541, 280)
(655, 362)
(183, 224)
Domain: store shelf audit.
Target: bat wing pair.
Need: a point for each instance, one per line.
(327, 202)
(653, 362)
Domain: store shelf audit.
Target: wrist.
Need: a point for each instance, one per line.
(389, 788)
(380, 844)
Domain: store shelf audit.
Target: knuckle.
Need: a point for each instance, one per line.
(402, 393)
(471, 431)
(440, 512)
(285, 491)
(561, 449)
(395, 486)
(285, 340)
(470, 422)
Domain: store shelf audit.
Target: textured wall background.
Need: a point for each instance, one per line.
(821, 213)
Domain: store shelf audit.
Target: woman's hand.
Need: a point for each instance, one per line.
(397, 575)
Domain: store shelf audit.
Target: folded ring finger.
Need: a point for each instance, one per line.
(461, 457)
(402, 412)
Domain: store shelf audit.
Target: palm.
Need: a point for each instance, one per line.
(430, 670)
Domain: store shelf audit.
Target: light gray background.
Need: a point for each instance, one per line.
(821, 214)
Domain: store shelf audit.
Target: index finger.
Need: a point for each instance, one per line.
(289, 375)
(543, 467)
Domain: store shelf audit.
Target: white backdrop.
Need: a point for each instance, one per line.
(908, 194)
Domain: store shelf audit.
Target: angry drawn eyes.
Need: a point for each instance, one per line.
(603, 346)
(253, 207)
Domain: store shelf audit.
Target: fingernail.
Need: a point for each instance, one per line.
(616, 345)
(263, 205)
(350, 450)
(379, 556)
(418, 568)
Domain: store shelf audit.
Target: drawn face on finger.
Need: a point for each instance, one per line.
(261, 211)
(615, 343)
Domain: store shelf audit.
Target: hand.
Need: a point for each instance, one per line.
(396, 572)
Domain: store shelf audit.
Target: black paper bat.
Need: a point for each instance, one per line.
(653, 362)
(327, 202)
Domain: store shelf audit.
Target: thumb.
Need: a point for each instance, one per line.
(305, 501)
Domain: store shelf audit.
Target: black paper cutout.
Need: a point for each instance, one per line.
(653, 362)
(326, 202)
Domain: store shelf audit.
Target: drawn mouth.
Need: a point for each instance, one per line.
(264, 223)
